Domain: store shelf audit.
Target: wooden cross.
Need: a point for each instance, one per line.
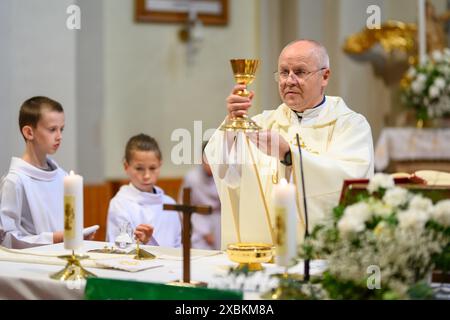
(187, 210)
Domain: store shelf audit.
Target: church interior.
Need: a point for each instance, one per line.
(162, 68)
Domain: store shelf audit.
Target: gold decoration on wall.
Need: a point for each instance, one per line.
(392, 35)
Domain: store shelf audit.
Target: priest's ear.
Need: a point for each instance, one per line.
(326, 77)
(28, 133)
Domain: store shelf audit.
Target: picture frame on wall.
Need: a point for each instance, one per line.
(210, 12)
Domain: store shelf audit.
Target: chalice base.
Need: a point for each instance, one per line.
(243, 123)
(252, 266)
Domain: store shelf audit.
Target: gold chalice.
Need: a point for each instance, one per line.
(250, 255)
(244, 73)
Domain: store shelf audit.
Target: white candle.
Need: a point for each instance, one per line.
(283, 201)
(422, 31)
(73, 211)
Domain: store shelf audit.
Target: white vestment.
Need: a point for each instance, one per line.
(133, 206)
(31, 204)
(203, 192)
(336, 145)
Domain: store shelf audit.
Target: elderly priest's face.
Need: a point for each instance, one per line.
(302, 76)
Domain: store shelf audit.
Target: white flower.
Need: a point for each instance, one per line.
(433, 92)
(447, 52)
(396, 197)
(437, 56)
(439, 82)
(349, 225)
(380, 180)
(358, 211)
(419, 203)
(411, 72)
(412, 219)
(421, 78)
(441, 213)
(417, 86)
(379, 208)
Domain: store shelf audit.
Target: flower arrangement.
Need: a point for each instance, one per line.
(426, 87)
(384, 246)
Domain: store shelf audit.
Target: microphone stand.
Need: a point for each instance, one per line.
(306, 261)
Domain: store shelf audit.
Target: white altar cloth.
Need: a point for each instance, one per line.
(28, 280)
(411, 144)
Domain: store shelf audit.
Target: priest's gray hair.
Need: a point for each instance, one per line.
(319, 51)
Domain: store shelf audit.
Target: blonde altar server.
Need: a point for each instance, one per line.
(32, 193)
(140, 204)
(336, 144)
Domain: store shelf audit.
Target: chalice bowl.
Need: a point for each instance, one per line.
(244, 73)
(250, 255)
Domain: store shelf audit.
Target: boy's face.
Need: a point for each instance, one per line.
(47, 135)
(143, 169)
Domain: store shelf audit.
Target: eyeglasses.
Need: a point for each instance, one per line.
(299, 74)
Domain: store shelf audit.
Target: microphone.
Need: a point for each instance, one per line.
(306, 261)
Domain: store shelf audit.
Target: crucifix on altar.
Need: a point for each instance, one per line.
(187, 209)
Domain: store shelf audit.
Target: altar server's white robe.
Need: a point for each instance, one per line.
(337, 145)
(31, 204)
(203, 192)
(133, 206)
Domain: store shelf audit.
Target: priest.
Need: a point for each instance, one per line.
(336, 144)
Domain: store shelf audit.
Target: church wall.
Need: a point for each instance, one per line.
(90, 82)
(5, 85)
(151, 88)
(38, 58)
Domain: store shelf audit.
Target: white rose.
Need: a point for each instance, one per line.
(439, 82)
(381, 209)
(358, 211)
(396, 197)
(348, 226)
(380, 180)
(419, 203)
(441, 213)
(421, 78)
(434, 92)
(412, 219)
(417, 86)
(437, 56)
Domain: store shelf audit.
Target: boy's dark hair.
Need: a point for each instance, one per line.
(142, 142)
(31, 110)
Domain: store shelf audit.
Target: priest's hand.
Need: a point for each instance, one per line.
(236, 104)
(143, 232)
(58, 236)
(270, 142)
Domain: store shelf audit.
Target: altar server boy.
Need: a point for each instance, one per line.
(140, 203)
(32, 193)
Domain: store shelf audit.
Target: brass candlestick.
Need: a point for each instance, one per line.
(73, 270)
(244, 73)
(141, 254)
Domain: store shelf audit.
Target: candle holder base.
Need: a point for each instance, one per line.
(192, 284)
(142, 254)
(73, 270)
(287, 287)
